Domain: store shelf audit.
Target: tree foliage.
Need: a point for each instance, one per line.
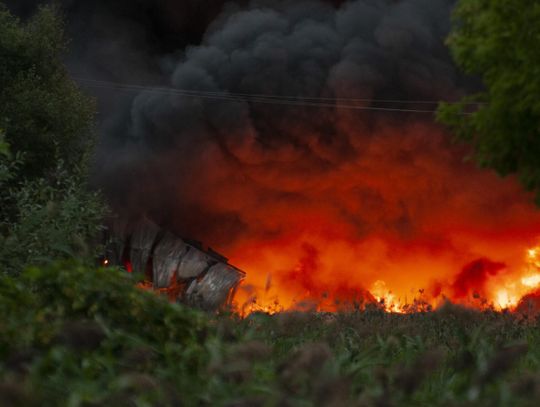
(499, 40)
(42, 112)
(46, 209)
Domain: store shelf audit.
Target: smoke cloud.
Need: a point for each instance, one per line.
(364, 49)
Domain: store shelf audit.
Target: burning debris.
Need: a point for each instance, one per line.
(182, 269)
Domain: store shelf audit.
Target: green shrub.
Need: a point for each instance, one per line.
(71, 335)
(51, 219)
(75, 336)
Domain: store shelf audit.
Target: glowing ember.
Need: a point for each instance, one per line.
(531, 281)
(533, 256)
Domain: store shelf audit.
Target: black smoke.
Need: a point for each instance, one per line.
(163, 154)
(390, 50)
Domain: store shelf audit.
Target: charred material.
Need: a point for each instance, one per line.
(196, 276)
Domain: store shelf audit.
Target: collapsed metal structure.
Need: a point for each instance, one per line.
(184, 269)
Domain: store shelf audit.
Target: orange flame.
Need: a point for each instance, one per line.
(502, 290)
(393, 203)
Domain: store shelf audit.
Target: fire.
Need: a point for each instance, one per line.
(385, 297)
(343, 208)
(402, 209)
(505, 300)
(494, 286)
(328, 203)
(531, 281)
(510, 296)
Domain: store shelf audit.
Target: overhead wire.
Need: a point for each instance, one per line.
(300, 101)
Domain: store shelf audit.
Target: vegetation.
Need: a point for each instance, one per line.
(42, 112)
(498, 40)
(80, 337)
(46, 210)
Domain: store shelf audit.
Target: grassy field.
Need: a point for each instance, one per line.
(79, 337)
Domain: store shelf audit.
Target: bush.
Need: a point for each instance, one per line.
(76, 336)
(71, 335)
(50, 219)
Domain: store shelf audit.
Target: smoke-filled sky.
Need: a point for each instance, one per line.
(322, 199)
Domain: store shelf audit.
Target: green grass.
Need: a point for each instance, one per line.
(74, 336)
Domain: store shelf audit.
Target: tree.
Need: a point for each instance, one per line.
(499, 41)
(46, 209)
(5, 172)
(42, 112)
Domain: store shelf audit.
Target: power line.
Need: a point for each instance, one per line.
(281, 97)
(339, 103)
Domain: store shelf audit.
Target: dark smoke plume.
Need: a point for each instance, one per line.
(154, 145)
(363, 49)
